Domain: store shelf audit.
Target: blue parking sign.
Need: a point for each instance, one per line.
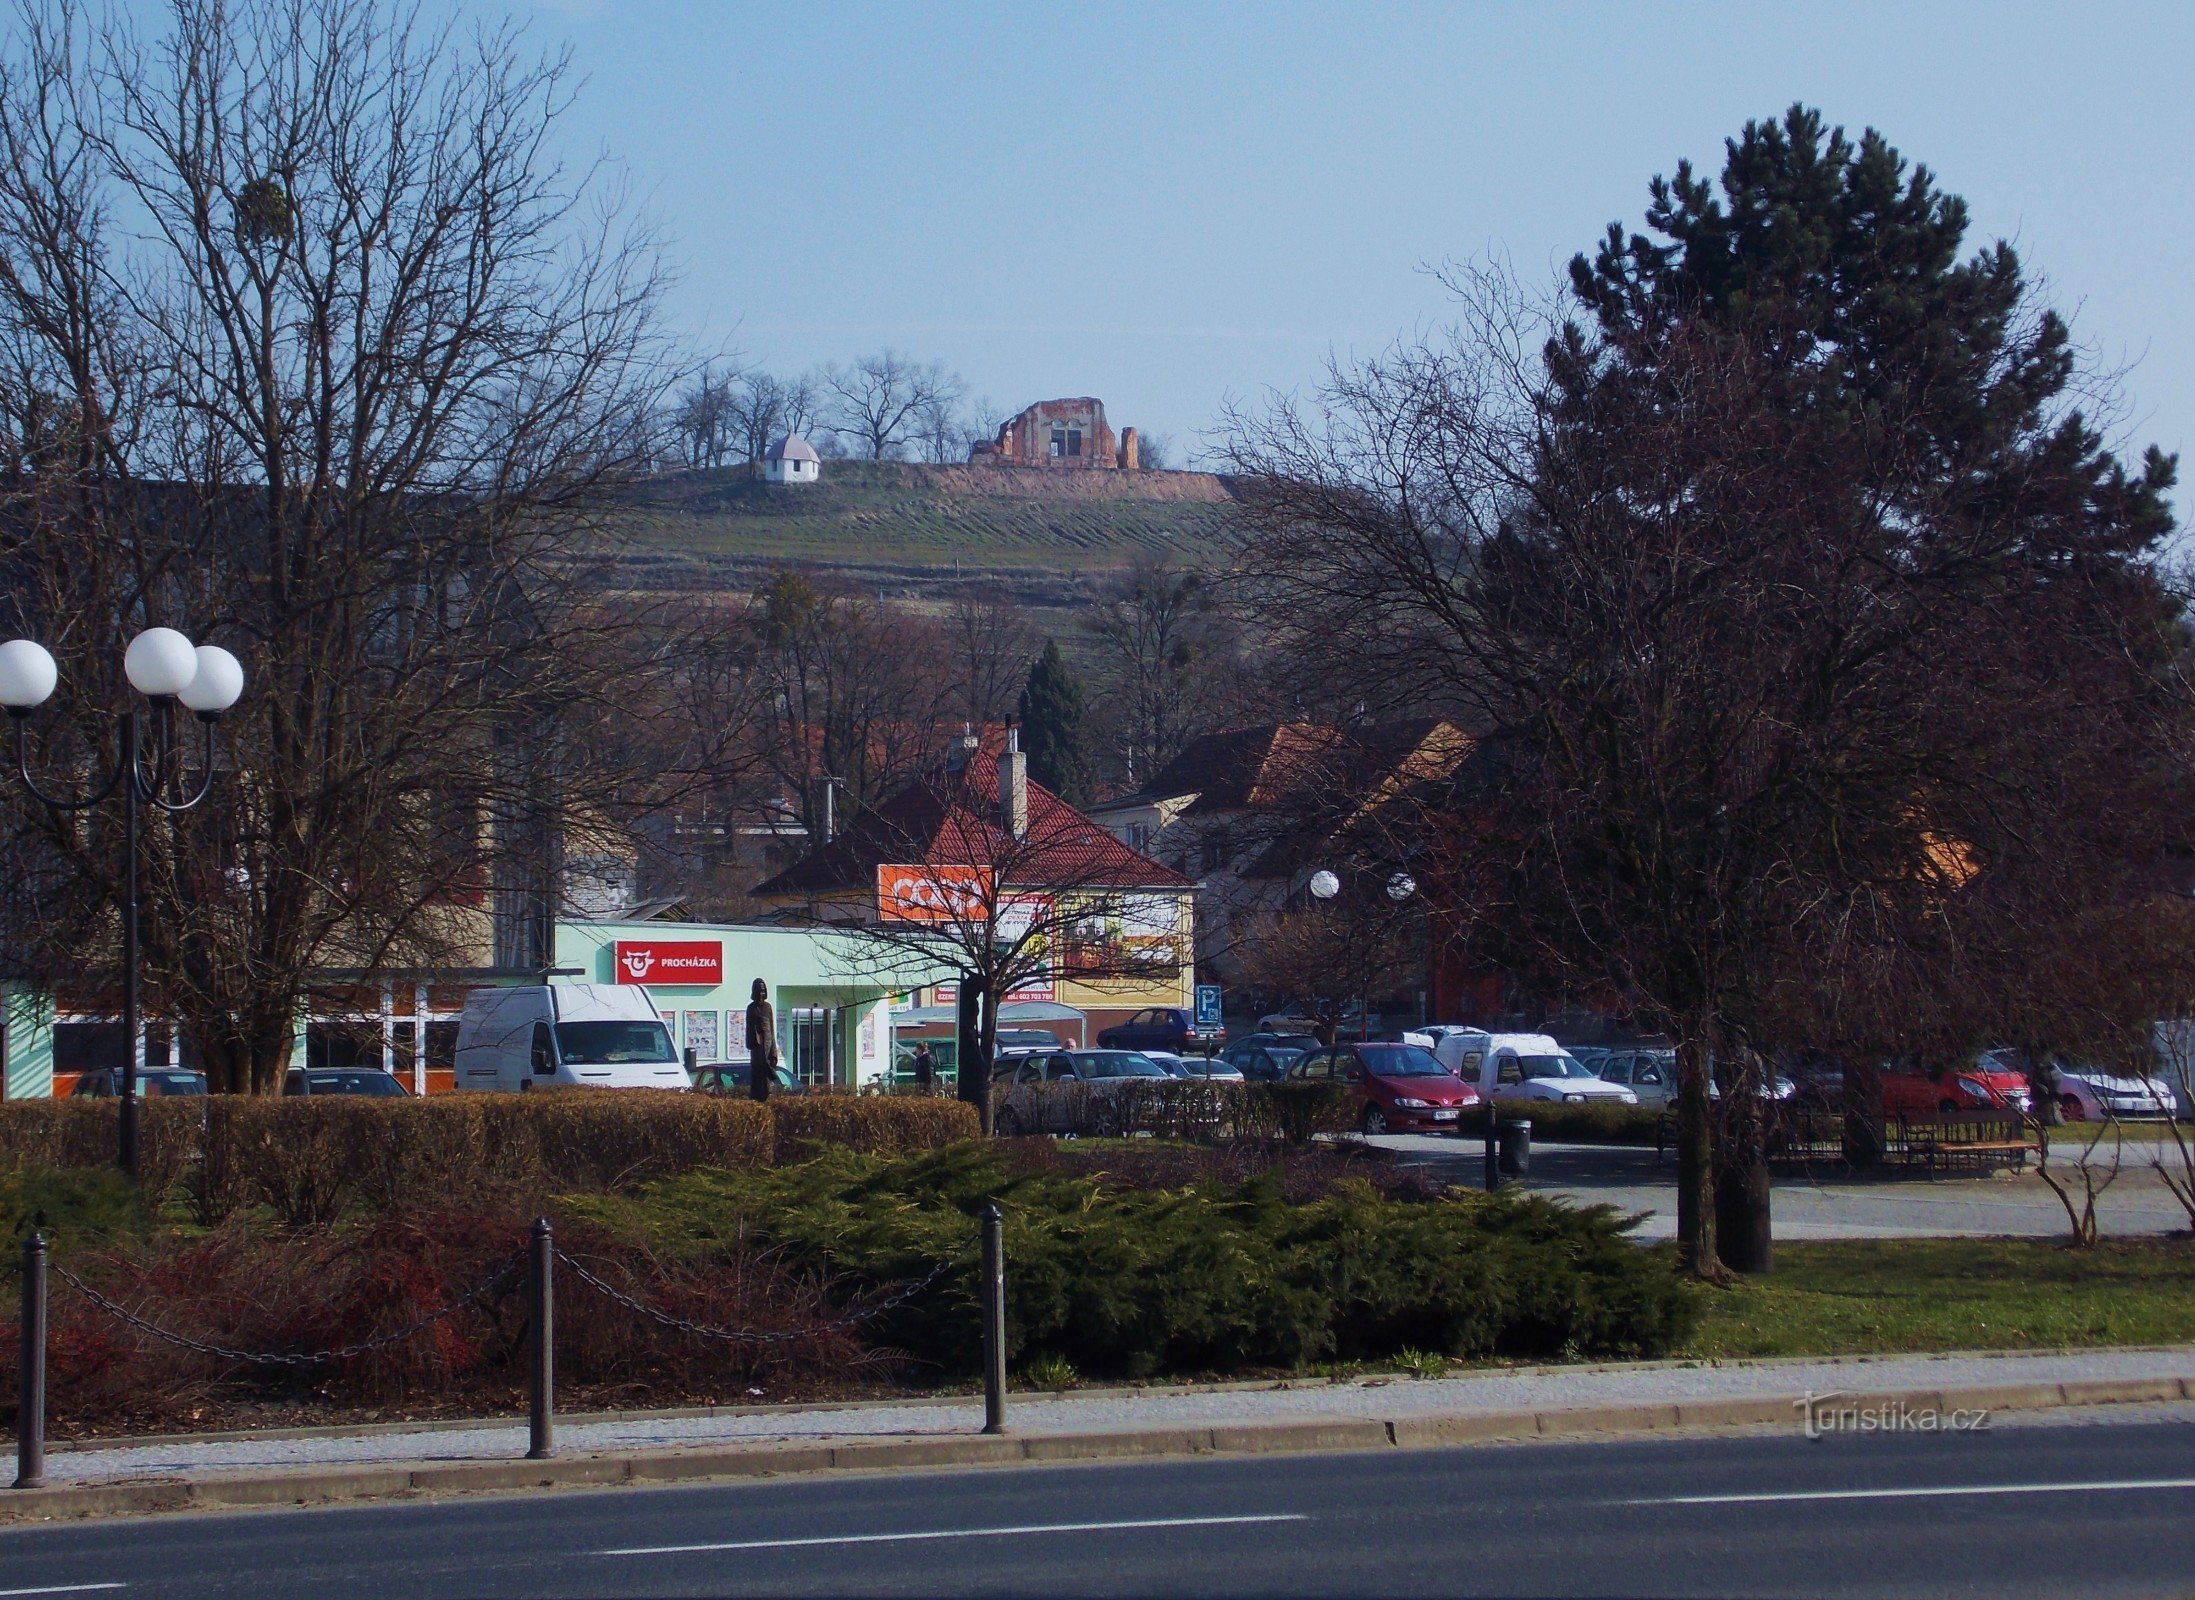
(1207, 1005)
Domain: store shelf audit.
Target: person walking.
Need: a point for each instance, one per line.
(761, 1043)
(925, 1069)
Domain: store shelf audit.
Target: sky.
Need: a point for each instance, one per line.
(1172, 206)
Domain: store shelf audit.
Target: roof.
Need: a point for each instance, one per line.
(1252, 769)
(792, 448)
(950, 817)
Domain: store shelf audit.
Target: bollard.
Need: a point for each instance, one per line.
(30, 1415)
(1516, 1149)
(994, 1320)
(1493, 1146)
(544, 1342)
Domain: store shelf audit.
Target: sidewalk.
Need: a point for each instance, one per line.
(124, 1478)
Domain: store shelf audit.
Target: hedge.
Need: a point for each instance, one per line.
(1178, 1108)
(1581, 1124)
(1194, 1280)
(310, 1159)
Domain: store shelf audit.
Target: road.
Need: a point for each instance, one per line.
(2095, 1508)
(1827, 1204)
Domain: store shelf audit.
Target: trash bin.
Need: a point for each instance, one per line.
(1516, 1147)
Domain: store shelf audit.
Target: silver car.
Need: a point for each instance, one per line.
(1067, 1090)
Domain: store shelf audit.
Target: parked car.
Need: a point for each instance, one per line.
(731, 1079)
(1300, 1017)
(1533, 1067)
(1266, 1057)
(1651, 1076)
(1027, 1039)
(1049, 1094)
(1158, 1028)
(106, 1082)
(603, 1035)
(1984, 1086)
(1397, 1087)
(369, 1081)
(2091, 1094)
(1202, 1068)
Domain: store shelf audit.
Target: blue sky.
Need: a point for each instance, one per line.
(1167, 205)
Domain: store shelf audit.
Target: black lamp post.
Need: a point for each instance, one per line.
(165, 667)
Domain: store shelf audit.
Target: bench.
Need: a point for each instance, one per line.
(1982, 1140)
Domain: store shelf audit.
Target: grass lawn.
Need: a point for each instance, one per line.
(1877, 1296)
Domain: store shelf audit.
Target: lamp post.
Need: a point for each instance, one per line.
(1325, 885)
(165, 667)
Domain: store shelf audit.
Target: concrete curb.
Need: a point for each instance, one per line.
(698, 1463)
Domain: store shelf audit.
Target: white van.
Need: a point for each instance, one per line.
(604, 1035)
(1532, 1066)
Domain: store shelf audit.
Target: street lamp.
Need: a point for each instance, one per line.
(1325, 885)
(165, 667)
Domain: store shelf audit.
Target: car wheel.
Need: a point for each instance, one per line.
(2069, 1107)
(1375, 1121)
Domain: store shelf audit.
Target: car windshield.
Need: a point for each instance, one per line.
(1027, 1039)
(1119, 1064)
(1401, 1061)
(373, 1083)
(614, 1044)
(1556, 1066)
(173, 1083)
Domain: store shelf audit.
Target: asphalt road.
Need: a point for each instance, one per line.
(2025, 1510)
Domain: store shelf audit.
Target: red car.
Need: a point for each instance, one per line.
(1972, 1088)
(1398, 1087)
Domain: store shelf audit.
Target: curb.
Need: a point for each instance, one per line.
(302, 1486)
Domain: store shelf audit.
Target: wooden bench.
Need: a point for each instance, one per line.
(1980, 1139)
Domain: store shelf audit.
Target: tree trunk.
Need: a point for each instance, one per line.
(975, 1036)
(1863, 1114)
(1742, 1221)
(1695, 1164)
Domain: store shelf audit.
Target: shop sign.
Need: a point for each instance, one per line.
(675, 961)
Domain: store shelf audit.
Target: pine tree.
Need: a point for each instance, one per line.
(1051, 728)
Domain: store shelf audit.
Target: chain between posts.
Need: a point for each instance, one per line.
(854, 1319)
(120, 1313)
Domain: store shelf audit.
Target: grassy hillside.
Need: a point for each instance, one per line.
(913, 527)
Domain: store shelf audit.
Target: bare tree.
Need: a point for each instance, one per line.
(992, 646)
(879, 402)
(764, 408)
(1160, 632)
(344, 391)
(707, 417)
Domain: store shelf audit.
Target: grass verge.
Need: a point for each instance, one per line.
(1891, 1295)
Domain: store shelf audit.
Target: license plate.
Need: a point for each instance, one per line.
(1444, 1116)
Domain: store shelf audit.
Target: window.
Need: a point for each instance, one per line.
(1139, 835)
(1507, 1071)
(1066, 441)
(544, 1058)
(606, 1044)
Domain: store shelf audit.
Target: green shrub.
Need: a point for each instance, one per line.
(884, 1125)
(71, 1206)
(70, 1134)
(1193, 1280)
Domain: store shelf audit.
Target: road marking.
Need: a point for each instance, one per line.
(63, 1588)
(1932, 1492)
(953, 1533)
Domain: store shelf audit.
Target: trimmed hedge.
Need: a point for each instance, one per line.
(1579, 1124)
(1209, 1278)
(309, 1160)
(880, 1125)
(1179, 1108)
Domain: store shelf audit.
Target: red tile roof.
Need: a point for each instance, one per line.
(952, 818)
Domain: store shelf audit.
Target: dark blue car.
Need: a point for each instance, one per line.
(1158, 1028)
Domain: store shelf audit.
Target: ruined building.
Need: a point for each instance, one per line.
(1059, 433)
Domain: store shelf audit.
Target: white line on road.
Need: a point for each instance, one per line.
(63, 1588)
(1931, 1492)
(952, 1533)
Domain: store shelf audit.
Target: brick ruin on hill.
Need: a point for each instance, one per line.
(1060, 434)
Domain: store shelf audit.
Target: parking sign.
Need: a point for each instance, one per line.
(1207, 1005)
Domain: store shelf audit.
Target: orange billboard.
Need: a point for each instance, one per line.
(932, 894)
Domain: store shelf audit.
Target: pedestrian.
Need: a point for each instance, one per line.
(761, 1043)
(925, 1069)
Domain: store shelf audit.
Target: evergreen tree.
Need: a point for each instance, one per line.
(1051, 728)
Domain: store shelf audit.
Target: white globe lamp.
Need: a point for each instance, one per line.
(214, 687)
(27, 675)
(1401, 887)
(160, 661)
(1324, 885)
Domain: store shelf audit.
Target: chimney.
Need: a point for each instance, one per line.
(1013, 786)
(958, 752)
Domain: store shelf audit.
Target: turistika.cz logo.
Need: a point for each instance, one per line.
(1821, 1415)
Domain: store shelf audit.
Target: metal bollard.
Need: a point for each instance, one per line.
(544, 1342)
(1493, 1147)
(994, 1320)
(30, 1415)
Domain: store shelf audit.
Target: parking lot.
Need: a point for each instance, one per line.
(1824, 1204)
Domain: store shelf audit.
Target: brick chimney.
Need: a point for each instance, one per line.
(1013, 786)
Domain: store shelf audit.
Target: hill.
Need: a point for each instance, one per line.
(918, 530)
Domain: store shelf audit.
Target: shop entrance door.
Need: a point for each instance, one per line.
(811, 1045)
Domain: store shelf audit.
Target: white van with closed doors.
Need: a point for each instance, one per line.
(1532, 1066)
(560, 1035)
